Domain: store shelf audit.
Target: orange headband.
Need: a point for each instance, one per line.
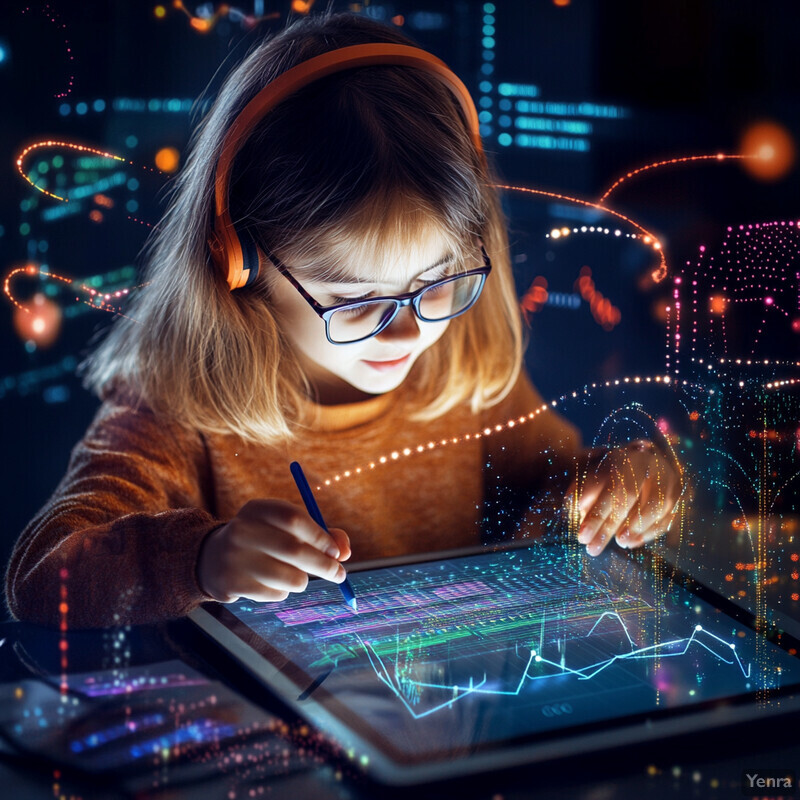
(231, 256)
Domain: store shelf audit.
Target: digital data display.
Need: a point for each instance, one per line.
(467, 653)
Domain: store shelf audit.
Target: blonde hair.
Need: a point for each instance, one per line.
(358, 159)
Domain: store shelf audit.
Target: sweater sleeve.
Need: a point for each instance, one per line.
(121, 533)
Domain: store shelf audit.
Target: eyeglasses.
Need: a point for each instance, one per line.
(357, 320)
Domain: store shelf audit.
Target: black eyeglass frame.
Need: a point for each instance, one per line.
(412, 299)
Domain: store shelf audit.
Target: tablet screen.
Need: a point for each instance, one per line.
(466, 654)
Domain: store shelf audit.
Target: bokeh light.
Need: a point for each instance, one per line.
(775, 149)
(168, 159)
(38, 320)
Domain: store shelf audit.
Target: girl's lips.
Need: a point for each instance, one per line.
(385, 366)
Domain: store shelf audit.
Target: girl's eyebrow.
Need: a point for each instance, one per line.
(339, 276)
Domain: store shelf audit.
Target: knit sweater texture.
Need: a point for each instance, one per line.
(123, 529)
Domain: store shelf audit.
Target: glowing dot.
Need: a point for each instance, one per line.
(160, 12)
(768, 301)
(773, 148)
(555, 233)
(167, 159)
(718, 304)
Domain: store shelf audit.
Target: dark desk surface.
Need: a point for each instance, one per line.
(188, 722)
(169, 680)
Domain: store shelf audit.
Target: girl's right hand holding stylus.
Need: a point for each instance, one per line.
(268, 550)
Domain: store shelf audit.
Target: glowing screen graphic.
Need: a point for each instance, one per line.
(467, 651)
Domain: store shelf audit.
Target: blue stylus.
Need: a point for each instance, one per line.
(316, 515)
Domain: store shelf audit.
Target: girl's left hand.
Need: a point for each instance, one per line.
(629, 492)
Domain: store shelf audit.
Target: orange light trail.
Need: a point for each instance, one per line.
(648, 238)
(396, 455)
(70, 146)
(140, 221)
(99, 300)
(672, 161)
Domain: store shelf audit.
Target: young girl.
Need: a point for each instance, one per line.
(254, 345)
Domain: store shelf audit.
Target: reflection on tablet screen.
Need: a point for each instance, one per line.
(470, 652)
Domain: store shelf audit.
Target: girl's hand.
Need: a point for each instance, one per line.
(631, 493)
(268, 550)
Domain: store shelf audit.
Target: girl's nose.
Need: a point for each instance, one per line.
(404, 328)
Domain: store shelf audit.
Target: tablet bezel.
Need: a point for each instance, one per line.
(377, 756)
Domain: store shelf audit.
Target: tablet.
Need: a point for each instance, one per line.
(476, 661)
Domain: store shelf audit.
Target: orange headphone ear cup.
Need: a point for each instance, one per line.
(236, 256)
(252, 257)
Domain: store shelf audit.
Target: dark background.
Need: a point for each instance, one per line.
(682, 76)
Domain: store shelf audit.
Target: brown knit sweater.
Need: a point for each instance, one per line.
(124, 527)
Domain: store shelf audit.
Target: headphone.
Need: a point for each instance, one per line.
(236, 254)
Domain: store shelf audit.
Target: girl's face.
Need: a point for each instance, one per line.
(343, 373)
